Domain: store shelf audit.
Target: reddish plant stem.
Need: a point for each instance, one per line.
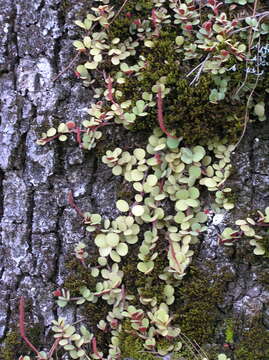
(94, 349)
(154, 18)
(22, 326)
(173, 253)
(160, 114)
(110, 90)
(101, 125)
(54, 347)
(78, 135)
(73, 204)
(223, 241)
(108, 290)
(51, 138)
(262, 224)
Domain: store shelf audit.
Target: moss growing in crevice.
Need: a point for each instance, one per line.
(150, 285)
(78, 277)
(92, 313)
(254, 342)
(229, 331)
(187, 108)
(14, 346)
(133, 9)
(200, 293)
(131, 346)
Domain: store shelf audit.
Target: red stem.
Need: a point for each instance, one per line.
(173, 253)
(78, 132)
(54, 347)
(160, 113)
(22, 326)
(51, 138)
(94, 349)
(73, 204)
(154, 18)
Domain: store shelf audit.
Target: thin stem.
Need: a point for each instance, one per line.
(67, 67)
(73, 204)
(160, 114)
(118, 13)
(94, 349)
(173, 253)
(54, 347)
(246, 114)
(22, 326)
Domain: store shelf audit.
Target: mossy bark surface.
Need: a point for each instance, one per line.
(39, 228)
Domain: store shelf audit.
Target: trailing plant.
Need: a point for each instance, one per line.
(252, 227)
(169, 72)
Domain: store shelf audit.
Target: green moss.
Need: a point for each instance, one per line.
(14, 346)
(229, 332)
(93, 313)
(78, 277)
(120, 27)
(254, 344)
(132, 346)
(11, 346)
(150, 285)
(187, 108)
(200, 294)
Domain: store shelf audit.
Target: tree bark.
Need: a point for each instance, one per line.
(38, 227)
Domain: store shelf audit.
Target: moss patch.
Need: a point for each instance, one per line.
(14, 346)
(254, 344)
(131, 346)
(200, 294)
(187, 108)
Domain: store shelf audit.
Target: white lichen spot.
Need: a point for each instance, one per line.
(218, 219)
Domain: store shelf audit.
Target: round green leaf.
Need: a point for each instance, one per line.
(192, 202)
(179, 40)
(152, 180)
(199, 153)
(259, 251)
(138, 210)
(210, 182)
(172, 143)
(122, 249)
(117, 170)
(145, 267)
(259, 109)
(63, 138)
(112, 239)
(180, 217)
(195, 171)
(136, 175)
(139, 153)
(138, 186)
(51, 132)
(100, 241)
(122, 205)
(194, 193)
(62, 128)
(181, 205)
(182, 194)
(115, 256)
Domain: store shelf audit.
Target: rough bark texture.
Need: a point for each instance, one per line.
(38, 228)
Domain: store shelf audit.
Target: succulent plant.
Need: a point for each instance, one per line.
(166, 174)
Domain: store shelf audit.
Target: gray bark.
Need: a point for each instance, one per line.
(38, 227)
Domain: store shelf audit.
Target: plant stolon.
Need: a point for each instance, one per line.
(169, 173)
